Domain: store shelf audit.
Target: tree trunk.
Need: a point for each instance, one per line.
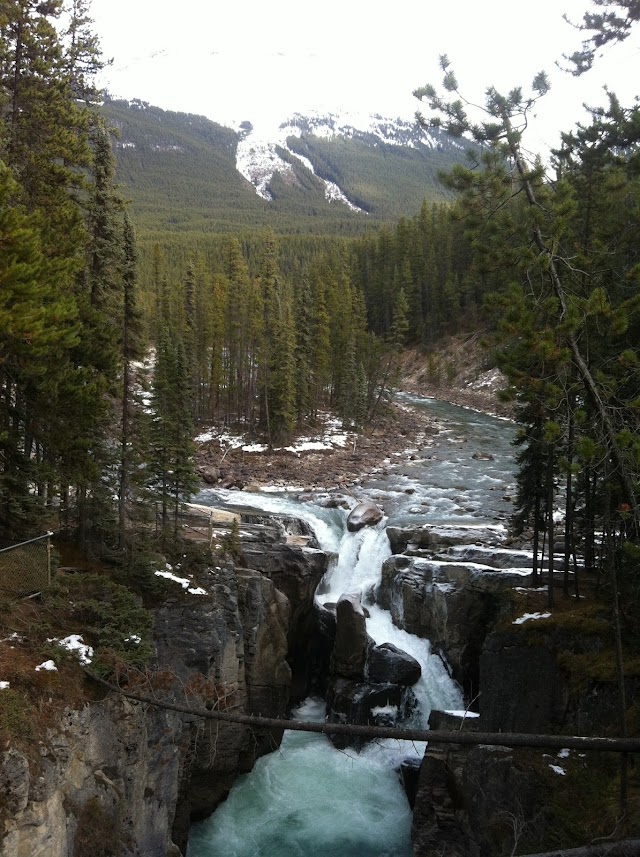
(550, 523)
(568, 506)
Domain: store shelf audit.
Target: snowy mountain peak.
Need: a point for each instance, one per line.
(259, 155)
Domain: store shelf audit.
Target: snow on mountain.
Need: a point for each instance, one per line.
(258, 159)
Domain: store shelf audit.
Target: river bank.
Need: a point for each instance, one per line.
(325, 457)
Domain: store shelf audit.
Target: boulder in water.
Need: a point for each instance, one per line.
(363, 704)
(388, 663)
(349, 653)
(363, 515)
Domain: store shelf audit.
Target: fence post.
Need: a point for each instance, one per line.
(49, 549)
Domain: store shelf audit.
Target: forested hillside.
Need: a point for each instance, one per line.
(181, 173)
(237, 329)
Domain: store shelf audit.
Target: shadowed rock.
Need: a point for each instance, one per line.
(349, 653)
(388, 663)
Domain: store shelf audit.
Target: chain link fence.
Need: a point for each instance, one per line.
(25, 568)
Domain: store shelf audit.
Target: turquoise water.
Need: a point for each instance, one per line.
(308, 799)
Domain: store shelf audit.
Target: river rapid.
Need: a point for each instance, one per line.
(308, 798)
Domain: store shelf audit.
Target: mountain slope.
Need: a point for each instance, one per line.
(318, 174)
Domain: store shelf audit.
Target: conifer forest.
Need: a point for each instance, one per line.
(267, 331)
(128, 327)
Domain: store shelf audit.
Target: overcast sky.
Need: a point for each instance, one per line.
(259, 60)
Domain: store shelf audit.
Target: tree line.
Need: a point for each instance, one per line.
(102, 380)
(72, 435)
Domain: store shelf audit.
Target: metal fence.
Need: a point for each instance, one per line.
(25, 568)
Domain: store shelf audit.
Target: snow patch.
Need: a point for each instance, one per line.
(74, 643)
(258, 160)
(460, 713)
(4, 685)
(385, 710)
(47, 666)
(558, 770)
(528, 616)
(183, 581)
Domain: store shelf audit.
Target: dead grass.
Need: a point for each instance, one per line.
(93, 606)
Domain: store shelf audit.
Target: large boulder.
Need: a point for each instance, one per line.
(388, 663)
(349, 654)
(365, 514)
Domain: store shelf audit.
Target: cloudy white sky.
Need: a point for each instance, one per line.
(261, 60)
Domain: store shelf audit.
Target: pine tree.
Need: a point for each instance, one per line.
(277, 354)
(83, 56)
(38, 329)
(131, 349)
(173, 479)
(45, 129)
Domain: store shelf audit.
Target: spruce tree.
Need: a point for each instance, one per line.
(38, 329)
(172, 473)
(131, 349)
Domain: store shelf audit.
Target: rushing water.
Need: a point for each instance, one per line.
(307, 797)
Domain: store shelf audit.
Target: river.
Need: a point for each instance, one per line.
(308, 798)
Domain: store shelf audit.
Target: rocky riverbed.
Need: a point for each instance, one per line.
(323, 458)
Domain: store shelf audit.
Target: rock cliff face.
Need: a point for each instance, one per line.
(135, 775)
(110, 773)
(237, 642)
(472, 802)
(449, 600)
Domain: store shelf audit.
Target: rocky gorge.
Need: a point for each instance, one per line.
(313, 604)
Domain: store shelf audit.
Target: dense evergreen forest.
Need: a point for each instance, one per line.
(180, 171)
(109, 357)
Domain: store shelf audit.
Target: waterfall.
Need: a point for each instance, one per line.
(308, 797)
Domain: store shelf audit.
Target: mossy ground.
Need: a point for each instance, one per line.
(583, 804)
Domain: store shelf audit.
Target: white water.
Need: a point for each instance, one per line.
(308, 792)
(308, 798)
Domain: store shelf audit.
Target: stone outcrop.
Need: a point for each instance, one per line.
(380, 704)
(472, 801)
(241, 643)
(296, 571)
(537, 696)
(368, 684)
(553, 686)
(429, 537)
(133, 775)
(110, 773)
(349, 655)
(451, 603)
(388, 663)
